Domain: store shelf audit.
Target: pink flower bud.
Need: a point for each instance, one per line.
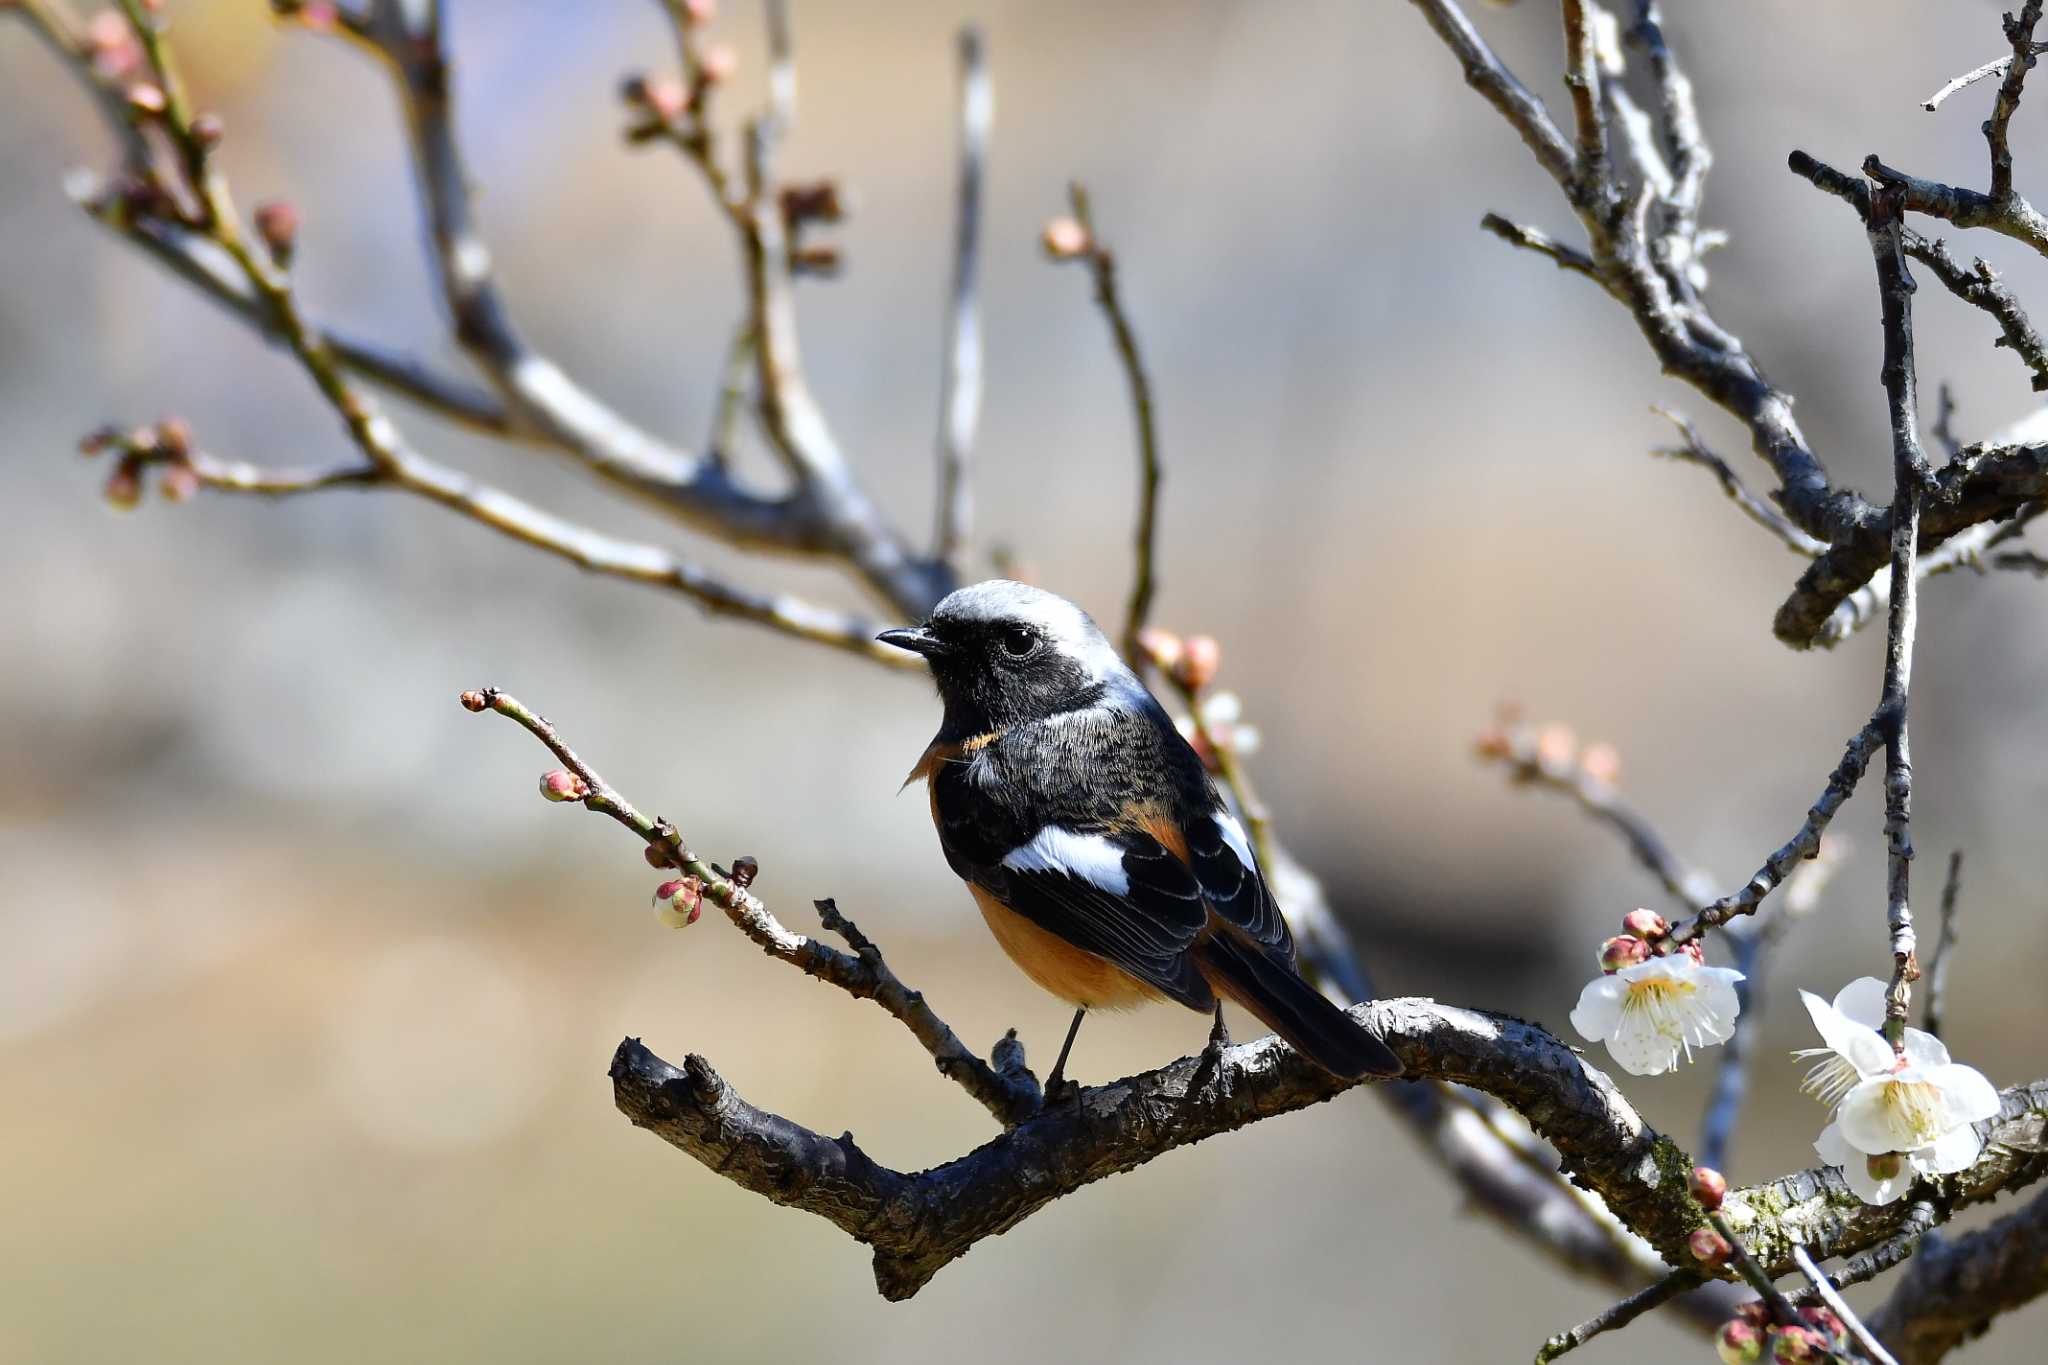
(1159, 645)
(474, 700)
(1200, 657)
(145, 100)
(277, 223)
(1738, 1343)
(1885, 1167)
(1622, 951)
(1646, 925)
(207, 131)
(1708, 1247)
(1065, 239)
(1797, 1346)
(656, 856)
(1708, 1186)
(679, 902)
(559, 784)
(179, 483)
(1556, 745)
(718, 64)
(1755, 1312)
(1695, 950)
(698, 13)
(1824, 1321)
(93, 442)
(123, 488)
(173, 437)
(1493, 742)
(1601, 762)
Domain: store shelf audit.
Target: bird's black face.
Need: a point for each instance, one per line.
(994, 671)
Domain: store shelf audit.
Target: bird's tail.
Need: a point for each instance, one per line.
(1274, 991)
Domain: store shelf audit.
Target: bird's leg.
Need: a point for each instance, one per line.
(1211, 1064)
(1057, 1079)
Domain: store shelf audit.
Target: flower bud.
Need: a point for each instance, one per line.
(1622, 951)
(1797, 1346)
(1885, 1167)
(1601, 762)
(718, 64)
(1065, 239)
(145, 100)
(679, 902)
(815, 260)
(817, 201)
(1200, 657)
(1708, 1186)
(277, 223)
(744, 870)
(1708, 1247)
(207, 131)
(1755, 1312)
(1159, 645)
(98, 439)
(179, 483)
(474, 700)
(1556, 745)
(1738, 1343)
(1646, 925)
(1695, 950)
(1823, 1320)
(124, 487)
(173, 437)
(559, 784)
(1493, 742)
(698, 13)
(656, 856)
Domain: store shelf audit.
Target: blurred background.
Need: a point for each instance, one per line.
(306, 998)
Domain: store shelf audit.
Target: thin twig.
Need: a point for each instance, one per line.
(1780, 1307)
(1009, 1097)
(1618, 1314)
(960, 379)
(1537, 240)
(1935, 1004)
(2019, 32)
(1102, 267)
(1872, 1347)
(1910, 476)
(1695, 451)
(1997, 67)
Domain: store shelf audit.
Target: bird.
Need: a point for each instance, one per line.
(1091, 836)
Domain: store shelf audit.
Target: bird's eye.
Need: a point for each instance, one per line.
(1019, 642)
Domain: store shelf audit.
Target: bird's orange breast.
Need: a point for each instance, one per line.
(1074, 975)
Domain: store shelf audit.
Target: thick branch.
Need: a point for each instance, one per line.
(1954, 1289)
(918, 1224)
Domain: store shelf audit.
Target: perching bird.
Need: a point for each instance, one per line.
(1089, 832)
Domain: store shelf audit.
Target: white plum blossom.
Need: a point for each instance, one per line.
(1898, 1115)
(1657, 1011)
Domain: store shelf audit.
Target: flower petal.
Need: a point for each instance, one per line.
(1966, 1094)
(1862, 1002)
(1861, 1046)
(1599, 1008)
(1640, 1049)
(1833, 1150)
(1870, 1189)
(1953, 1151)
(1870, 1124)
(1924, 1049)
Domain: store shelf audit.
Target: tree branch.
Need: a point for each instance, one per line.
(1953, 1289)
(960, 378)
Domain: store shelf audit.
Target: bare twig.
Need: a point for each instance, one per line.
(1754, 1275)
(1802, 845)
(1695, 451)
(1537, 240)
(1870, 1345)
(1620, 1314)
(1997, 67)
(960, 377)
(1910, 477)
(1010, 1097)
(1935, 1004)
(1102, 268)
(2019, 32)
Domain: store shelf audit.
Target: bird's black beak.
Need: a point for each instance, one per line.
(916, 639)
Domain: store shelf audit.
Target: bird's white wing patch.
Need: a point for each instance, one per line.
(1233, 834)
(1090, 857)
